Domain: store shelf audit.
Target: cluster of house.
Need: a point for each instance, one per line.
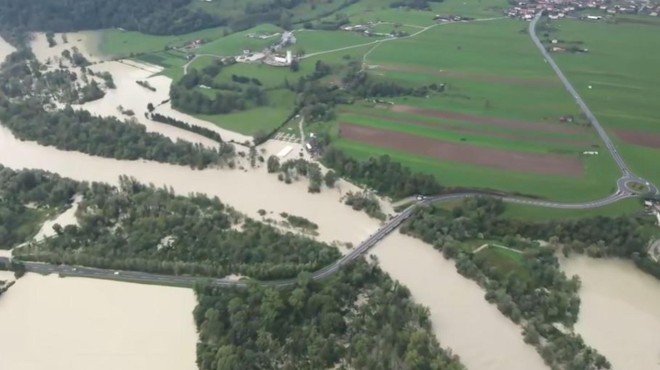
(558, 9)
(273, 55)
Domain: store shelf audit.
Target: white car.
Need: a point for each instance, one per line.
(116, 272)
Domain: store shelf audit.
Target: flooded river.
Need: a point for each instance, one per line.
(247, 191)
(80, 324)
(462, 318)
(620, 312)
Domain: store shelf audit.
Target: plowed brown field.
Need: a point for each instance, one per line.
(639, 138)
(549, 164)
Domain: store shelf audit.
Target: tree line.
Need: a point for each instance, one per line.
(414, 4)
(203, 131)
(143, 228)
(357, 319)
(79, 130)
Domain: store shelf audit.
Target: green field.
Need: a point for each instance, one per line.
(313, 41)
(124, 43)
(502, 262)
(492, 69)
(622, 68)
(257, 120)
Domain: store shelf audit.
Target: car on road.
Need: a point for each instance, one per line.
(420, 197)
(116, 273)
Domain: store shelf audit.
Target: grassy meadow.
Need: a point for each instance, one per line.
(119, 43)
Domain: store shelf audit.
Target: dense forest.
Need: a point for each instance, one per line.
(357, 319)
(79, 130)
(138, 227)
(160, 17)
(26, 198)
(529, 287)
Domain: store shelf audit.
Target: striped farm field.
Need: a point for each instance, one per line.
(535, 158)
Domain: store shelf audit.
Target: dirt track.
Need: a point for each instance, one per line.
(537, 82)
(639, 138)
(549, 164)
(505, 123)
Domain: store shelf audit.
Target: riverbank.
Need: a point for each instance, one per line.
(620, 311)
(80, 324)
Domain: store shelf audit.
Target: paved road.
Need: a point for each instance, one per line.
(622, 192)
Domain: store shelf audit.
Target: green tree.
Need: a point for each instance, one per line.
(330, 178)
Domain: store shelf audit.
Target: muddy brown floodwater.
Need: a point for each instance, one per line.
(620, 311)
(80, 324)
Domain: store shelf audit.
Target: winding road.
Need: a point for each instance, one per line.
(623, 191)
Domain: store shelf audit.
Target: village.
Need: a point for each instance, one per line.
(558, 9)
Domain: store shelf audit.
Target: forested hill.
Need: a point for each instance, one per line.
(159, 17)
